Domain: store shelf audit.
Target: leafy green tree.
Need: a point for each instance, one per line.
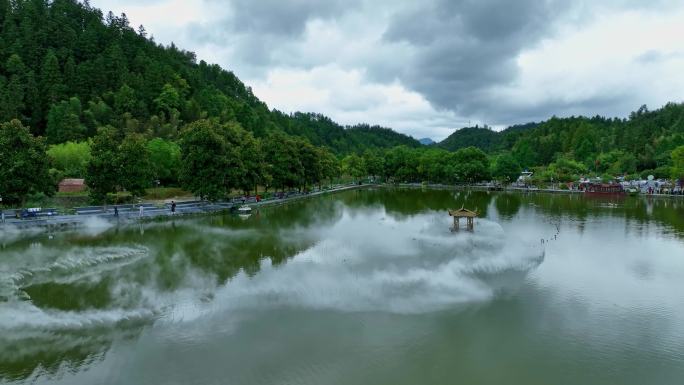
(353, 166)
(24, 168)
(97, 115)
(471, 165)
(506, 168)
(208, 161)
(401, 164)
(329, 165)
(373, 162)
(125, 100)
(678, 163)
(253, 162)
(64, 122)
(282, 157)
(70, 158)
(311, 165)
(525, 154)
(566, 170)
(169, 100)
(431, 165)
(103, 172)
(165, 157)
(134, 163)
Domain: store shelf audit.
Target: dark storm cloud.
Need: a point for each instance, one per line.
(464, 47)
(604, 105)
(258, 28)
(282, 18)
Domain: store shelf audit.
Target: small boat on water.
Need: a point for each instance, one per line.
(244, 210)
(603, 189)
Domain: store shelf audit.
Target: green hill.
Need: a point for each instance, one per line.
(642, 142)
(66, 69)
(485, 138)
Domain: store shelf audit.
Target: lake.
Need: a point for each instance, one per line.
(360, 287)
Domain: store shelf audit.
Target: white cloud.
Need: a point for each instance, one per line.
(348, 98)
(628, 58)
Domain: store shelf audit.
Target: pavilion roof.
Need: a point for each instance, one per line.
(463, 213)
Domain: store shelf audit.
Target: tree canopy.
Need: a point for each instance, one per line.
(24, 168)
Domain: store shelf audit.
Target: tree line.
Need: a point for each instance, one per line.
(212, 159)
(562, 149)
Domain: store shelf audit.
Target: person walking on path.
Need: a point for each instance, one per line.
(142, 211)
(173, 208)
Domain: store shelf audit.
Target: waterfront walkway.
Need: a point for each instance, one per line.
(131, 212)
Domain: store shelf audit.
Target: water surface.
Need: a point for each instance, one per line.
(360, 287)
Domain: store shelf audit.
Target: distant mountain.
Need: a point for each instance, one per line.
(426, 141)
(320, 130)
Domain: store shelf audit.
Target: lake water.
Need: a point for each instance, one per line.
(361, 287)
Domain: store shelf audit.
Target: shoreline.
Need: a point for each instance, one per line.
(69, 221)
(192, 208)
(528, 190)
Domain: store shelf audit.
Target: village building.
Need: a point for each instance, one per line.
(71, 185)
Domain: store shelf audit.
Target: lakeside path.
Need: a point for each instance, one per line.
(188, 208)
(520, 190)
(152, 212)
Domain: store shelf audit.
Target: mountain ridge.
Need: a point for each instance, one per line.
(66, 69)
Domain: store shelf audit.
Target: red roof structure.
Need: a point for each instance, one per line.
(72, 185)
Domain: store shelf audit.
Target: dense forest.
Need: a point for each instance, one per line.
(639, 145)
(485, 138)
(66, 70)
(80, 81)
(106, 103)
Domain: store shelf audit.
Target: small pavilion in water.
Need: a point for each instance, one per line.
(463, 213)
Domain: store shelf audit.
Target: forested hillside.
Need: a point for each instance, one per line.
(485, 138)
(66, 69)
(642, 143)
(84, 95)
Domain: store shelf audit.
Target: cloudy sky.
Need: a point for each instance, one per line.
(427, 67)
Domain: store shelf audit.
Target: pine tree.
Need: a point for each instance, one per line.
(51, 82)
(64, 122)
(70, 76)
(34, 110)
(134, 162)
(103, 172)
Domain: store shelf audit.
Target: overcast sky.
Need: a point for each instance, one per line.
(427, 67)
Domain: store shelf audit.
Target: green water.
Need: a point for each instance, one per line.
(361, 287)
